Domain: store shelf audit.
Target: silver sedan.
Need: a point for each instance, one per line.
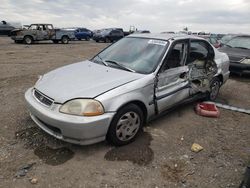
(136, 79)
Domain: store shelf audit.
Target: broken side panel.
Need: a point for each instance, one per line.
(200, 75)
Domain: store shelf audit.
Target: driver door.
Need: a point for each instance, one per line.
(172, 83)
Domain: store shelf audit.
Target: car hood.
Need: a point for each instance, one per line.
(83, 80)
(235, 53)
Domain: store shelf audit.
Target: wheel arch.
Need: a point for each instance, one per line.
(140, 104)
(28, 36)
(64, 36)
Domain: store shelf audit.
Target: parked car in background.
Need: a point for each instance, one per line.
(130, 82)
(5, 28)
(141, 31)
(213, 40)
(41, 32)
(238, 50)
(108, 35)
(168, 32)
(83, 33)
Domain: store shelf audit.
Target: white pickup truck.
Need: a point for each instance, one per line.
(41, 32)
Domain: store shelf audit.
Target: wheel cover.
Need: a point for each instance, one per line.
(214, 90)
(127, 126)
(28, 40)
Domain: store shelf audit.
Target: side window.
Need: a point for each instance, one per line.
(198, 51)
(176, 57)
(49, 27)
(34, 27)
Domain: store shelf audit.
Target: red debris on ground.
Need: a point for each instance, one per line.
(207, 109)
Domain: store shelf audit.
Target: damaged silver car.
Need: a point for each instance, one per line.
(127, 84)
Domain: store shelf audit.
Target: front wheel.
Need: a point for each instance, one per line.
(214, 88)
(125, 125)
(28, 40)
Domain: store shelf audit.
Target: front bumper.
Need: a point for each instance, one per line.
(19, 38)
(74, 129)
(239, 67)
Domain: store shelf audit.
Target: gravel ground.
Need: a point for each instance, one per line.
(160, 157)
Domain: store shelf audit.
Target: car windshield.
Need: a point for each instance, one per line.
(133, 54)
(239, 42)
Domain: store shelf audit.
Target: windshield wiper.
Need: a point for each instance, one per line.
(103, 62)
(119, 65)
(227, 45)
(242, 48)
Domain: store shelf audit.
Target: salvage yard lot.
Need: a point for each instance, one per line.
(160, 157)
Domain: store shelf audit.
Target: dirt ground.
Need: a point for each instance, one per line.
(160, 157)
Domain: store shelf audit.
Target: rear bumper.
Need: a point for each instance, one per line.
(239, 68)
(74, 129)
(226, 77)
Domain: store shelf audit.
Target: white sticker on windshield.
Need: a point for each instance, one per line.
(157, 42)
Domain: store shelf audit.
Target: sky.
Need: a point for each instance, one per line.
(216, 16)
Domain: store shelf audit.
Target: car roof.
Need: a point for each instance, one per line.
(164, 36)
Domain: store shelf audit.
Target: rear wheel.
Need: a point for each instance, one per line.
(125, 125)
(87, 38)
(65, 40)
(214, 88)
(55, 41)
(28, 40)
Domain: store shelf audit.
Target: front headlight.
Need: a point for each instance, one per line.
(82, 107)
(246, 61)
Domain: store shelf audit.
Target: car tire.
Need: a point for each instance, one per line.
(87, 38)
(107, 40)
(215, 85)
(125, 126)
(28, 40)
(65, 40)
(97, 40)
(79, 39)
(55, 41)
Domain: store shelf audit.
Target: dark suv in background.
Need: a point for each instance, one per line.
(108, 35)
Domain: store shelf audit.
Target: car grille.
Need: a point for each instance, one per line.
(235, 59)
(43, 98)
